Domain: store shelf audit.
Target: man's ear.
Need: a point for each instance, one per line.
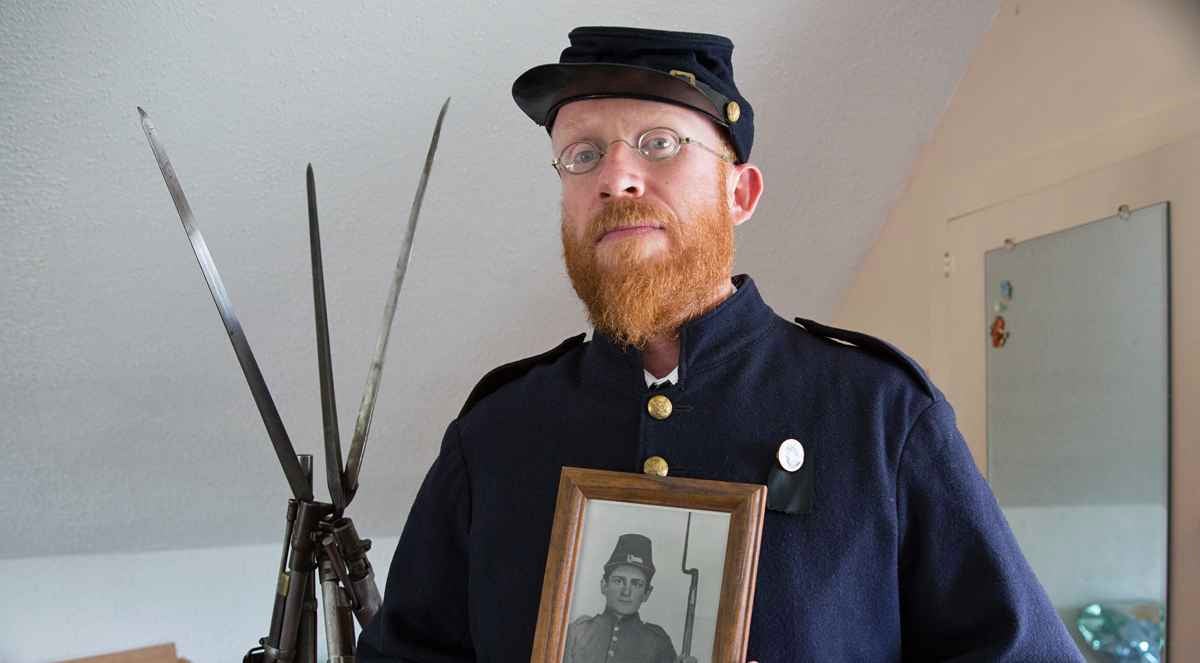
(649, 588)
(747, 190)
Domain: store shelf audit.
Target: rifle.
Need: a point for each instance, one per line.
(689, 622)
(320, 544)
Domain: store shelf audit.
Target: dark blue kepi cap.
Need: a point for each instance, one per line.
(688, 69)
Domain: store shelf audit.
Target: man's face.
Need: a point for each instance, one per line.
(646, 244)
(625, 589)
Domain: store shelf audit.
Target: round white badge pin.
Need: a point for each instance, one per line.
(790, 455)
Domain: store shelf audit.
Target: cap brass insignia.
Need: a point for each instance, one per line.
(685, 75)
(733, 111)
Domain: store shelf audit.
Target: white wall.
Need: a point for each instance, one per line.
(213, 603)
(1069, 109)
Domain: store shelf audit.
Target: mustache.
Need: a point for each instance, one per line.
(625, 213)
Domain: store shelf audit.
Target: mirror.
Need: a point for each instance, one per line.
(1078, 421)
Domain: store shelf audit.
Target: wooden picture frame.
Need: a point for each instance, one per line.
(584, 491)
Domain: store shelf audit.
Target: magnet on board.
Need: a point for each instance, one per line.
(999, 332)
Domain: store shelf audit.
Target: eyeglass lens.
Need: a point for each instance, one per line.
(654, 145)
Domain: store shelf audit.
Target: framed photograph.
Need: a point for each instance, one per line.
(649, 569)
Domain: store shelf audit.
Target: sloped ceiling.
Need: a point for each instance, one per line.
(125, 423)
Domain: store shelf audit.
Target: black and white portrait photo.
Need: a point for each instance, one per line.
(647, 584)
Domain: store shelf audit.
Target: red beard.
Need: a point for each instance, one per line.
(632, 298)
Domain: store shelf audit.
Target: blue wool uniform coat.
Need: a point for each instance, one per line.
(886, 545)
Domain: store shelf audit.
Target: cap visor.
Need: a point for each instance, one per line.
(540, 91)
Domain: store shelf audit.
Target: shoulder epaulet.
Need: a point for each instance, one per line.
(502, 375)
(872, 345)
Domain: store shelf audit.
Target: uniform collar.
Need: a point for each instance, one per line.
(618, 617)
(722, 332)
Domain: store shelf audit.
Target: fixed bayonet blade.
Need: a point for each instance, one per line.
(375, 373)
(241, 347)
(333, 444)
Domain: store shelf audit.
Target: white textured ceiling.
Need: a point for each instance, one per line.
(125, 423)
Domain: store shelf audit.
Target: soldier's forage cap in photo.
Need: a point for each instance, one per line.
(632, 550)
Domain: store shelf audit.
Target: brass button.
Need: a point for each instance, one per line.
(655, 465)
(659, 407)
(733, 111)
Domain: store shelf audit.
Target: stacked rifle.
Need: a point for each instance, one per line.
(320, 542)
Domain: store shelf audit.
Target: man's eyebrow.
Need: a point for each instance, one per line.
(574, 129)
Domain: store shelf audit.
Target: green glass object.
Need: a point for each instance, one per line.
(1129, 632)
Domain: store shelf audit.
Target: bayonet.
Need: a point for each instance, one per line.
(301, 488)
(366, 409)
(333, 445)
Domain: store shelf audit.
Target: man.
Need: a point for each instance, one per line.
(618, 635)
(881, 541)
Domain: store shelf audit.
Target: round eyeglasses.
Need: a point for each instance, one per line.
(658, 144)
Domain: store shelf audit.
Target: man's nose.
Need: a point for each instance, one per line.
(621, 172)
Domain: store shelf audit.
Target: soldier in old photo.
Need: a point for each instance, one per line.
(618, 634)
